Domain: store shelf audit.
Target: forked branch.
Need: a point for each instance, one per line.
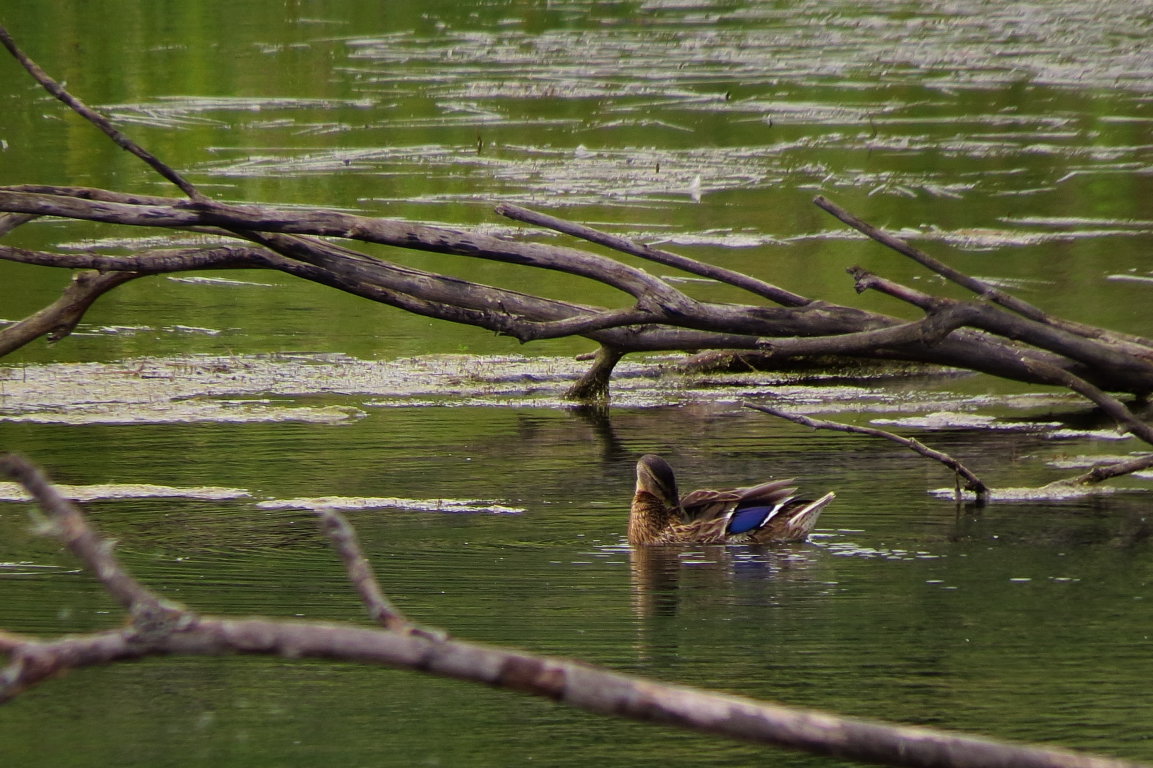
(1135, 344)
(571, 683)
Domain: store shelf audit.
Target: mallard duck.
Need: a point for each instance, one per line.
(769, 512)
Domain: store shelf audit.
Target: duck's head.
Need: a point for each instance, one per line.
(655, 477)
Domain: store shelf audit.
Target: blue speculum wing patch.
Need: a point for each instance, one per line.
(748, 519)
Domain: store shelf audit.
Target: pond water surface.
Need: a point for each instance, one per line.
(1012, 139)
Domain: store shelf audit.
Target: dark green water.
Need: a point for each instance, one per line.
(1012, 139)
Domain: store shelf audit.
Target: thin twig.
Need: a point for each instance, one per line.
(683, 263)
(972, 482)
(980, 287)
(359, 570)
(94, 117)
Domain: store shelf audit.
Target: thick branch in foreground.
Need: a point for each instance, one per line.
(578, 685)
(583, 687)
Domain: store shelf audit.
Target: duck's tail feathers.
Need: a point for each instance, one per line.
(804, 518)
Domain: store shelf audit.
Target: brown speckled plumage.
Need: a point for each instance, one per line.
(765, 513)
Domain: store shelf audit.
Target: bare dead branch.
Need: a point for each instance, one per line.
(149, 262)
(593, 386)
(94, 117)
(683, 263)
(182, 215)
(1107, 471)
(662, 318)
(1114, 408)
(1135, 344)
(978, 287)
(92, 193)
(972, 482)
(574, 684)
(954, 333)
(9, 221)
(10, 641)
(150, 613)
(60, 318)
(788, 331)
(581, 325)
(952, 314)
(359, 570)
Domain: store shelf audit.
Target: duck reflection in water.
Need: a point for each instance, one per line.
(674, 587)
(661, 523)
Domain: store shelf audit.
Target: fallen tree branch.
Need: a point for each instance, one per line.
(987, 317)
(624, 245)
(1023, 343)
(60, 318)
(1107, 471)
(1112, 407)
(694, 325)
(181, 214)
(1133, 344)
(972, 482)
(293, 233)
(574, 684)
(94, 117)
(9, 221)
